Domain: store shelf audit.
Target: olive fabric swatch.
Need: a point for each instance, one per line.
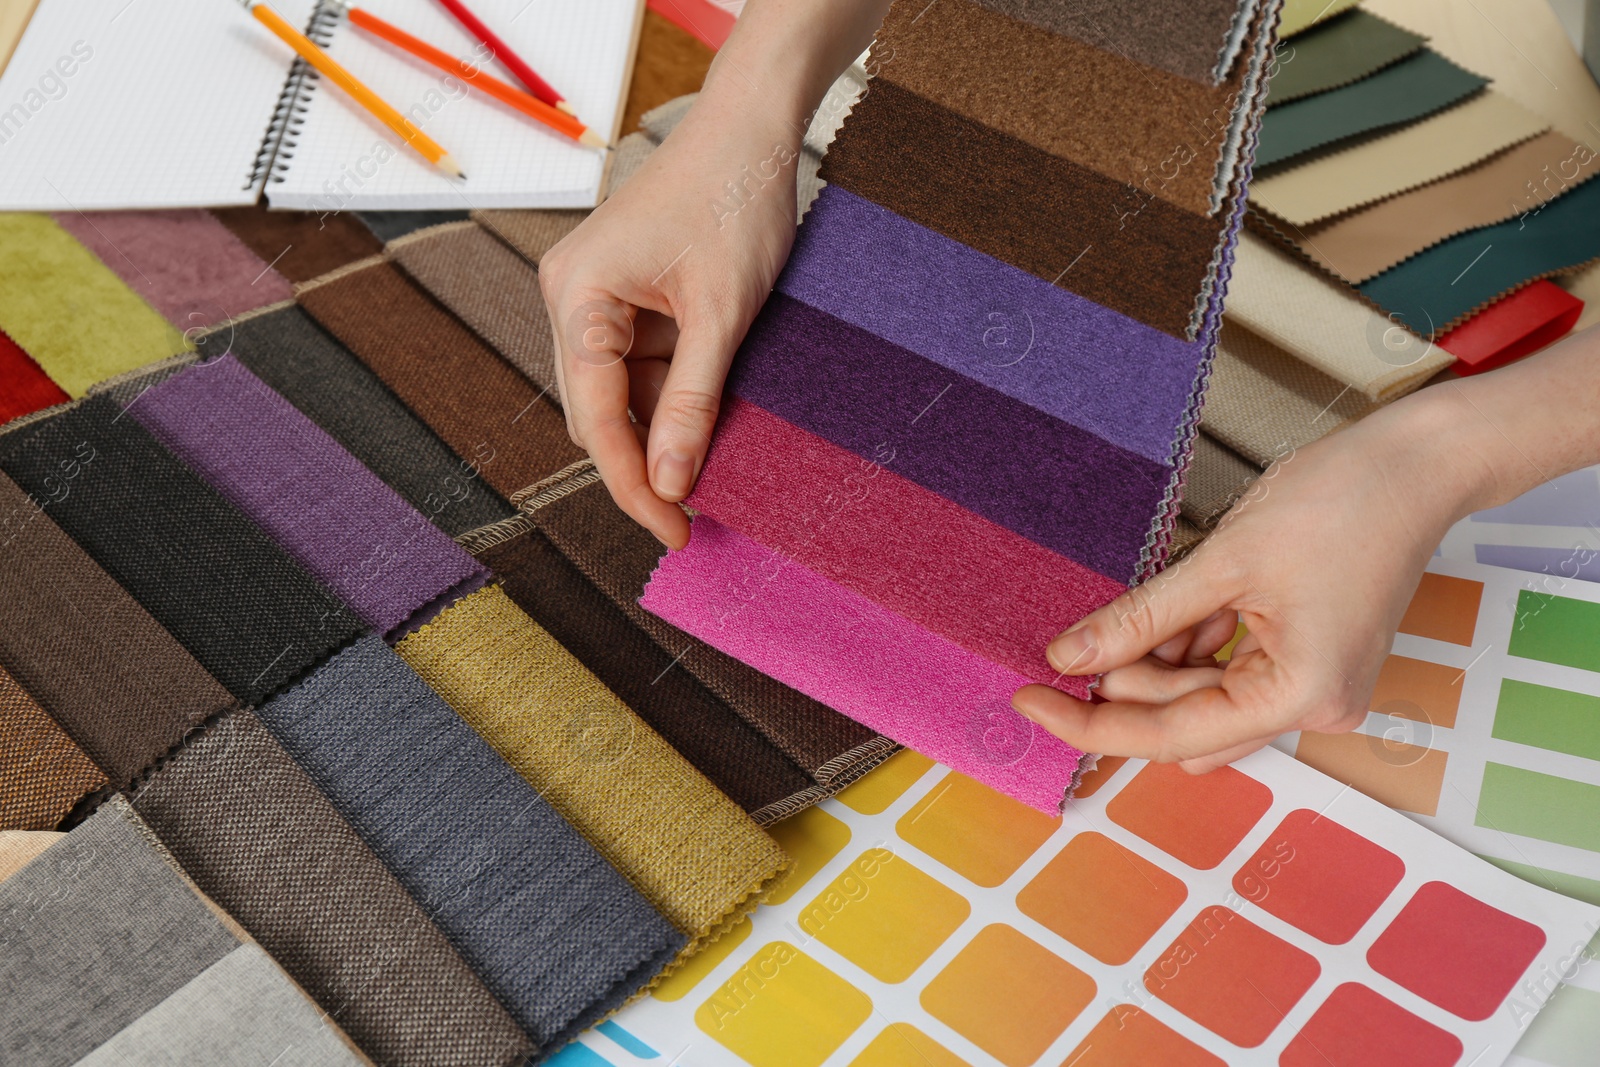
(18, 848)
(43, 772)
(670, 62)
(300, 245)
(299, 359)
(1337, 52)
(490, 288)
(1404, 92)
(69, 311)
(251, 615)
(1218, 476)
(113, 678)
(1300, 15)
(555, 933)
(729, 751)
(258, 838)
(24, 386)
(487, 412)
(684, 845)
(533, 233)
(386, 226)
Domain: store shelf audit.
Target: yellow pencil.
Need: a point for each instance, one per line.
(308, 50)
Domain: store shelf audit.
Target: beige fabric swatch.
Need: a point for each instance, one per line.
(1217, 477)
(1405, 159)
(1300, 15)
(19, 847)
(1186, 537)
(1326, 324)
(533, 233)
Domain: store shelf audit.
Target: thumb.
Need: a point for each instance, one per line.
(1128, 628)
(686, 412)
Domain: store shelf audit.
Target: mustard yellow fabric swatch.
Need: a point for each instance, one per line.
(1301, 15)
(70, 312)
(689, 849)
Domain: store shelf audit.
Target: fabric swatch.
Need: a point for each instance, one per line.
(533, 233)
(110, 675)
(331, 514)
(1392, 163)
(300, 245)
(618, 555)
(660, 121)
(240, 1010)
(258, 838)
(684, 845)
(865, 660)
(236, 601)
(629, 156)
(24, 386)
(1186, 537)
(43, 772)
(1518, 325)
(556, 934)
(1325, 324)
(98, 929)
(286, 349)
(1338, 52)
(386, 226)
(185, 263)
(1217, 478)
(489, 414)
(69, 311)
(669, 63)
(18, 848)
(1300, 15)
(490, 288)
(729, 751)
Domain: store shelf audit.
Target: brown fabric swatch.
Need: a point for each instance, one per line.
(670, 62)
(108, 673)
(618, 556)
(533, 233)
(43, 773)
(1217, 477)
(705, 731)
(300, 244)
(1158, 132)
(490, 288)
(257, 837)
(475, 401)
(1102, 239)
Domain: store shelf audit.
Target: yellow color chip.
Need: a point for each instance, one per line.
(903, 1045)
(783, 1009)
(884, 784)
(975, 831)
(810, 838)
(884, 915)
(682, 981)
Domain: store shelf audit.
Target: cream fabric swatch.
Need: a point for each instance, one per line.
(19, 847)
(1300, 15)
(1394, 163)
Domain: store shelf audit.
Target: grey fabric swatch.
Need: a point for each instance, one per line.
(630, 155)
(387, 225)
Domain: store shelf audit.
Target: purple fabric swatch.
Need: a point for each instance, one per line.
(1088, 365)
(1053, 483)
(335, 517)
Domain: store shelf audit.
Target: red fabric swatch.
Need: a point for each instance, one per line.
(24, 387)
(705, 20)
(1524, 322)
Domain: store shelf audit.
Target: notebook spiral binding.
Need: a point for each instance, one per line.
(283, 131)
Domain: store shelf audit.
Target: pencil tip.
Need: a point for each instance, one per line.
(448, 165)
(592, 139)
(562, 105)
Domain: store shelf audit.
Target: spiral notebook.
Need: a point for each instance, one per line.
(115, 104)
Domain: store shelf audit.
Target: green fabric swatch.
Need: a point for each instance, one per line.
(1556, 629)
(1515, 801)
(1554, 719)
(1406, 91)
(70, 312)
(1337, 52)
(1433, 289)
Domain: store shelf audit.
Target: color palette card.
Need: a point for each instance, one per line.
(1555, 529)
(1262, 914)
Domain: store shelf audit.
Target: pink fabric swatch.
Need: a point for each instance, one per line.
(918, 554)
(860, 658)
(185, 264)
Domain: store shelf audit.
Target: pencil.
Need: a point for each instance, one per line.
(560, 121)
(308, 51)
(524, 73)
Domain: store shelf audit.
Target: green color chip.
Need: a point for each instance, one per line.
(1557, 629)
(1567, 1032)
(1516, 801)
(1556, 719)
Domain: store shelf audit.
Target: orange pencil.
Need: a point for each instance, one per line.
(308, 50)
(560, 121)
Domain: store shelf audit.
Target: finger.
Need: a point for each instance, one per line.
(1151, 681)
(1194, 725)
(691, 396)
(1142, 619)
(644, 387)
(1207, 764)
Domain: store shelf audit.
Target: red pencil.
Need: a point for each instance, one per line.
(502, 51)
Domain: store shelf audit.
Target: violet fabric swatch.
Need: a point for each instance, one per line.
(1049, 481)
(335, 517)
(868, 662)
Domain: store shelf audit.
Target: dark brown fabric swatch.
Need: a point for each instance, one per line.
(705, 731)
(670, 62)
(533, 233)
(116, 681)
(43, 773)
(300, 245)
(257, 837)
(1102, 239)
(618, 555)
(487, 412)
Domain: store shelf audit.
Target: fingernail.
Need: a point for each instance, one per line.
(1071, 650)
(674, 475)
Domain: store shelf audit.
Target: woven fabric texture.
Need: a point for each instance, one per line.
(92, 657)
(300, 245)
(1338, 52)
(1218, 476)
(43, 772)
(258, 838)
(386, 226)
(630, 154)
(669, 63)
(18, 848)
(69, 311)
(553, 930)
(331, 514)
(287, 349)
(533, 233)
(688, 848)
(24, 386)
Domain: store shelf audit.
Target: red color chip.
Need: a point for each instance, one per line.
(1315, 874)
(1358, 1028)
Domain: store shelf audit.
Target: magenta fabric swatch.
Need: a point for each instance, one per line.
(868, 662)
(862, 526)
(186, 264)
(330, 513)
